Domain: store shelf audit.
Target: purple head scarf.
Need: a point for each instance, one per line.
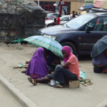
(38, 64)
(67, 49)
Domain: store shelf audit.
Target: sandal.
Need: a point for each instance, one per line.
(32, 81)
(23, 71)
(85, 82)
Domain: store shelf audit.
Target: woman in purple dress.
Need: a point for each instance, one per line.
(37, 66)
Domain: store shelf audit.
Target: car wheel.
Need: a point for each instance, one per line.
(73, 48)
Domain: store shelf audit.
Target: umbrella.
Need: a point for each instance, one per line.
(99, 46)
(46, 42)
(100, 4)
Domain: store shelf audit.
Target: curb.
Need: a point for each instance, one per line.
(103, 104)
(22, 99)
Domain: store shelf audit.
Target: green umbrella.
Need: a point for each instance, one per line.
(46, 42)
(99, 46)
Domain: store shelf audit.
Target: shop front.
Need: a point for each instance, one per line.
(68, 6)
(49, 6)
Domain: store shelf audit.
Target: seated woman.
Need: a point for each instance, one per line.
(68, 71)
(100, 62)
(37, 67)
(51, 60)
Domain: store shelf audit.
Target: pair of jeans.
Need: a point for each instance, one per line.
(62, 74)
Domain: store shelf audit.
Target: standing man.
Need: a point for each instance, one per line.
(58, 20)
(73, 15)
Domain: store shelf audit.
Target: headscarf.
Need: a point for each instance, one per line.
(38, 64)
(67, 49)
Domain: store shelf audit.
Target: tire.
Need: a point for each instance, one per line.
(73, 48)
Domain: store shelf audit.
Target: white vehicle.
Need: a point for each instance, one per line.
(51, 16)
(64, 19)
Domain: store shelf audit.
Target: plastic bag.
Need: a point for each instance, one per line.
(83, 75)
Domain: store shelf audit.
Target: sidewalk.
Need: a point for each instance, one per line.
(45, 96)
(6, 99)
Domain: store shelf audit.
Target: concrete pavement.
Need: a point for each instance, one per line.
(43, 95)
(20, 97)
(6, 99)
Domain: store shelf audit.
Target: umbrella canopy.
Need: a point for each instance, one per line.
(99, 46)
(46, 42)
(100, 4)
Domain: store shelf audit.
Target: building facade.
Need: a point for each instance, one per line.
(68, 7)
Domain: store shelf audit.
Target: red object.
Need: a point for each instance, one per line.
(65, 3)
(60, 8)
(58, 21)
(98, 21)
(46, 18)
(105, 71)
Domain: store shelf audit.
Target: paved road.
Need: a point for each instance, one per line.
(6, 99)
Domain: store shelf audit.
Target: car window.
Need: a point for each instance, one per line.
(80, 21)
(65, 19)
(55, 15)
(98, 24)
(105, 24)
(49, 14)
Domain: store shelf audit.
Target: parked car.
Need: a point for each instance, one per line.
(64, 19)
(51, 16)
(80, 33)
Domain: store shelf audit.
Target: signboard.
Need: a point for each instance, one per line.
(57, 3)
(62, 2)
(88, 4)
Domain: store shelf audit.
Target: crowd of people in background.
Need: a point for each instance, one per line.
(58, 19)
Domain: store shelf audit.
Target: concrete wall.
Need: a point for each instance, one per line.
(75, 5)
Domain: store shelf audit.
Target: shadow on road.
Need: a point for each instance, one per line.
(84, 58)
